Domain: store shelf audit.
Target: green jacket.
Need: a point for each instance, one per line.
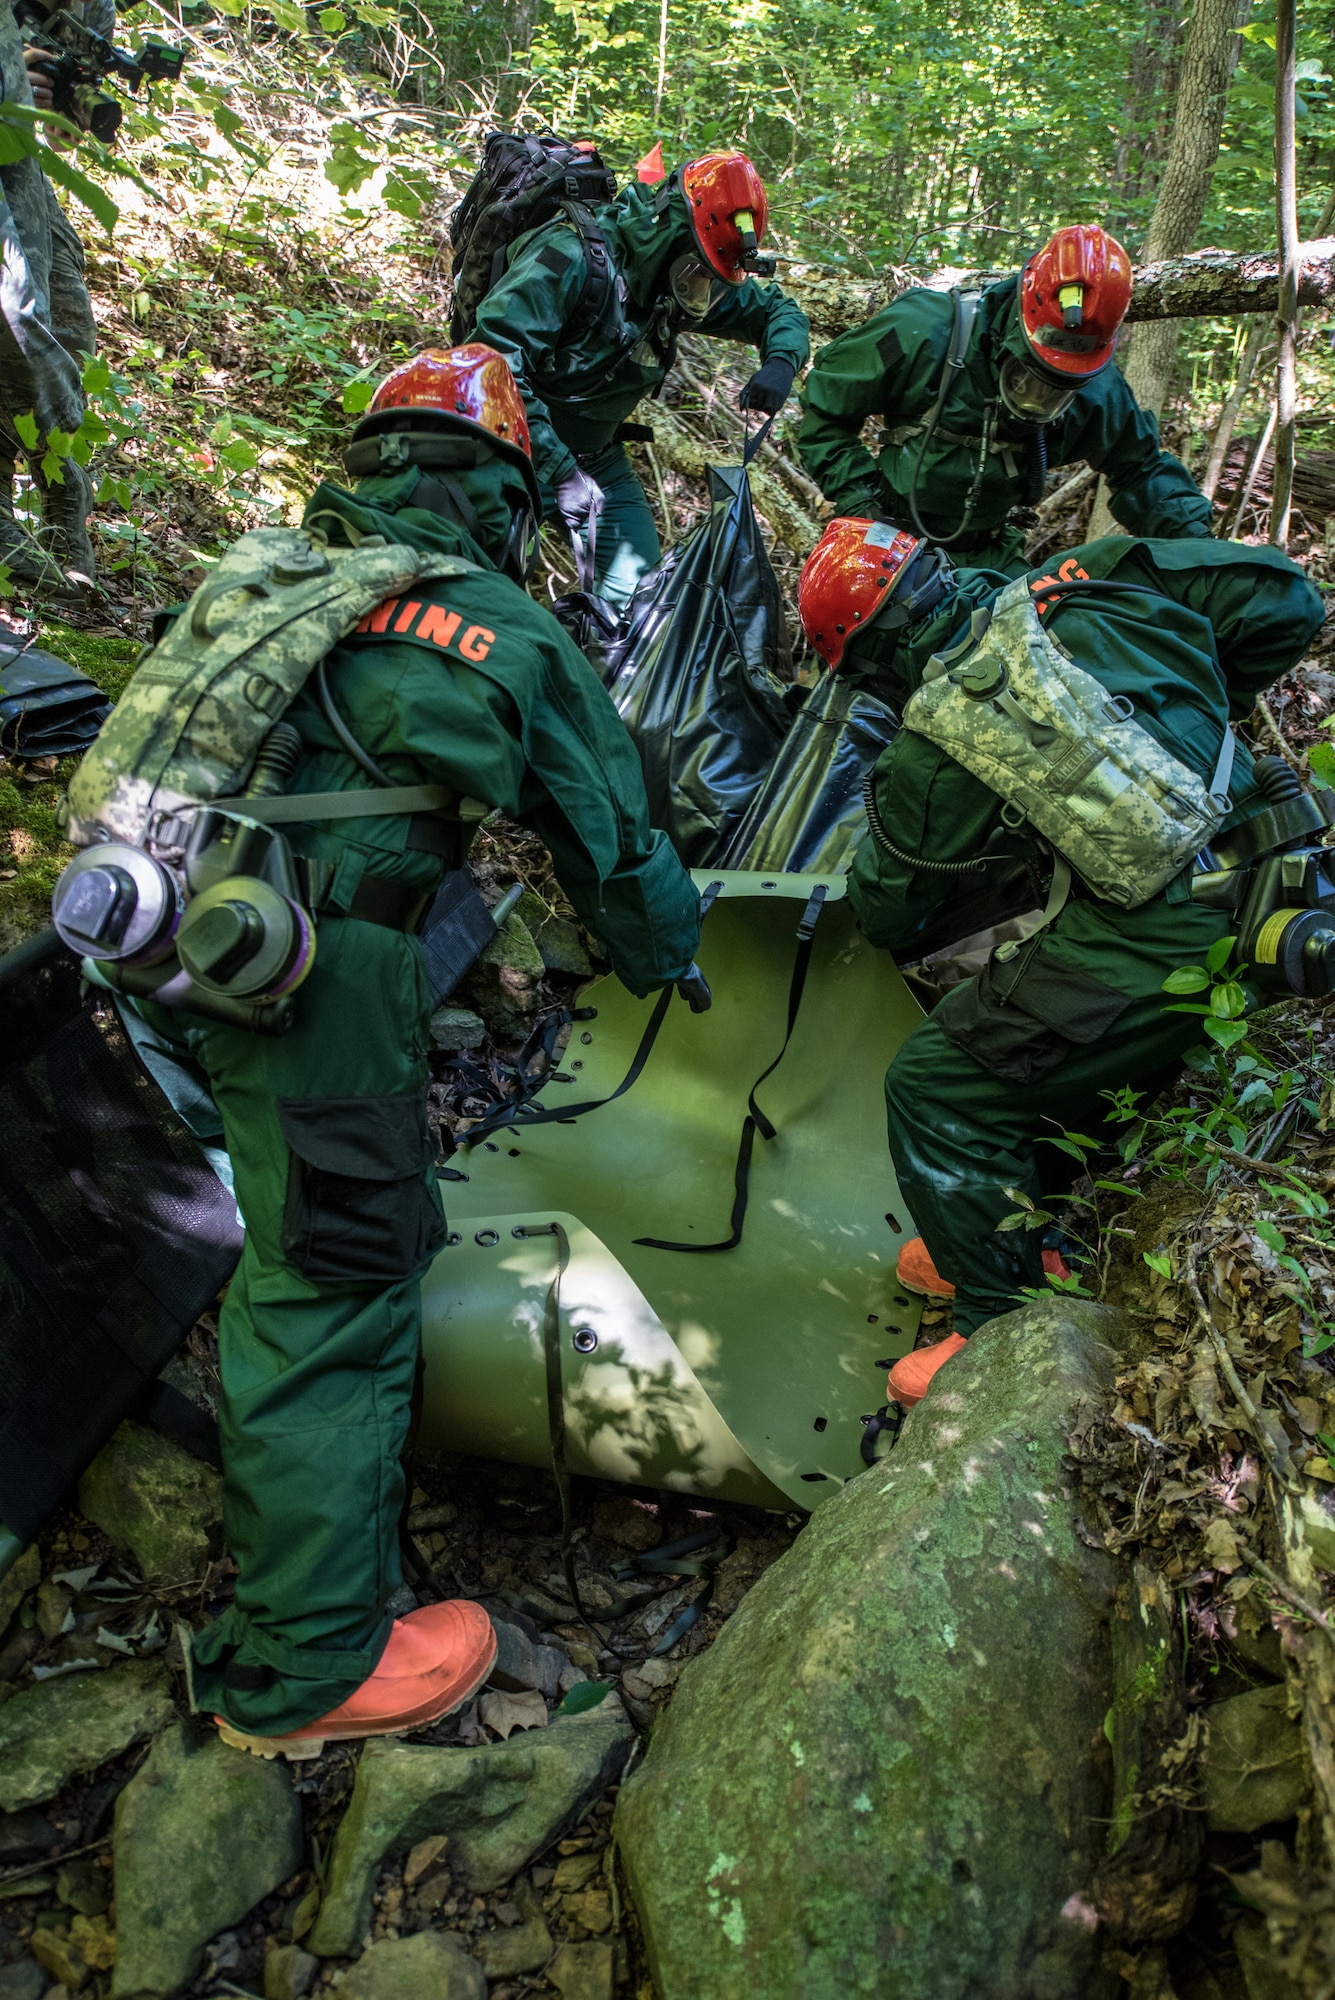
(891, 367)
(579, 389)
(1229, 621)
(477, 687)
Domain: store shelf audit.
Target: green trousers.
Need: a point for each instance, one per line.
(320, 1329)
(1029, 1047)
(627, 542)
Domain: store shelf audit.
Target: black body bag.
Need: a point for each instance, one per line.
(698, 669)
(808, 816)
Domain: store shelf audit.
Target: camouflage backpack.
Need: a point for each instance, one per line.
(1013, 708)
(200, 703)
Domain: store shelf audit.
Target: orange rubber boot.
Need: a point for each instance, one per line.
(917, 1273)
(910, 1379)
(436, 1658)
(1055, 1264)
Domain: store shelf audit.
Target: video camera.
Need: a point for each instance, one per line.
(82, 61)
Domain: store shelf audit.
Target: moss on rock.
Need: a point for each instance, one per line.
(881, 1780)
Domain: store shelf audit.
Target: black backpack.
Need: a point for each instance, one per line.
(523, 182)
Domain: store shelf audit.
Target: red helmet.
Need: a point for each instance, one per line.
(848, 580)
(729, 210)
(467, 389)
(1073, 298)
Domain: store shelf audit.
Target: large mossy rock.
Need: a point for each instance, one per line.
(1254, 1772)
(157, 1502)
(203, 1833)
(882, 1779)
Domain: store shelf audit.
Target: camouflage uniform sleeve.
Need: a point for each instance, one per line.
(100, 17)
(524, 318)
(876, 369)
(1150, 491)
(764, 315)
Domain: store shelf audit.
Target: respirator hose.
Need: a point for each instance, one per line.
(884, 842)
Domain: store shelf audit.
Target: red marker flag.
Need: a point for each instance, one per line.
(651, 167)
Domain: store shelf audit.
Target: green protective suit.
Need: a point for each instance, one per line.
(472, 685)
(581, 383)
(891, 367)
(1037, 1039)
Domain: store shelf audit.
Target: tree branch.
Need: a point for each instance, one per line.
(1201, 285)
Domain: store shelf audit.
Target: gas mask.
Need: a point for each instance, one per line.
(208, 913)
(691, 286)
(1030, 397)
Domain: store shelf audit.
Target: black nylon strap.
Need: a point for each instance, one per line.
(562, 1114)
(756, 1120)
(751, 444)
(556, 1404)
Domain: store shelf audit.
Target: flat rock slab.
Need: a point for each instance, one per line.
(878, 1781)
(584, 1972)
(157, 1502)
(430, 1966)
(58, 1728)
(203, 1832)
(499, 1805)
(1253, 1771)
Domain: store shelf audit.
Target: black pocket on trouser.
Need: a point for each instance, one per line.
(1021, 1018)
(359, 1206)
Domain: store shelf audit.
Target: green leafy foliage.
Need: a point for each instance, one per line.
(1226, 1000)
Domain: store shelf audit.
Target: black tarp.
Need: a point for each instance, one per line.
(808, 816)
(742, 771)
(47, 707)
(114, 1232)
(698, 669)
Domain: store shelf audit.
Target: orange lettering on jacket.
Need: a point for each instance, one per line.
(477, 642)
(376, 621)
(1070, 572)
(437, 625)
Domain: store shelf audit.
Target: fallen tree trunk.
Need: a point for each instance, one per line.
(678, 446)
(1198, 286)
(1313, 479)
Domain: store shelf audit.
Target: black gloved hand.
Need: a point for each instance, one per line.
(694, 990)
(579, 501)
(769, 388)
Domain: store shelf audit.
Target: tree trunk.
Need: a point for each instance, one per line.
(1145, 1889)
(1233, 402)
(1286, 201)
(1208, 58)
(1233, 516)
